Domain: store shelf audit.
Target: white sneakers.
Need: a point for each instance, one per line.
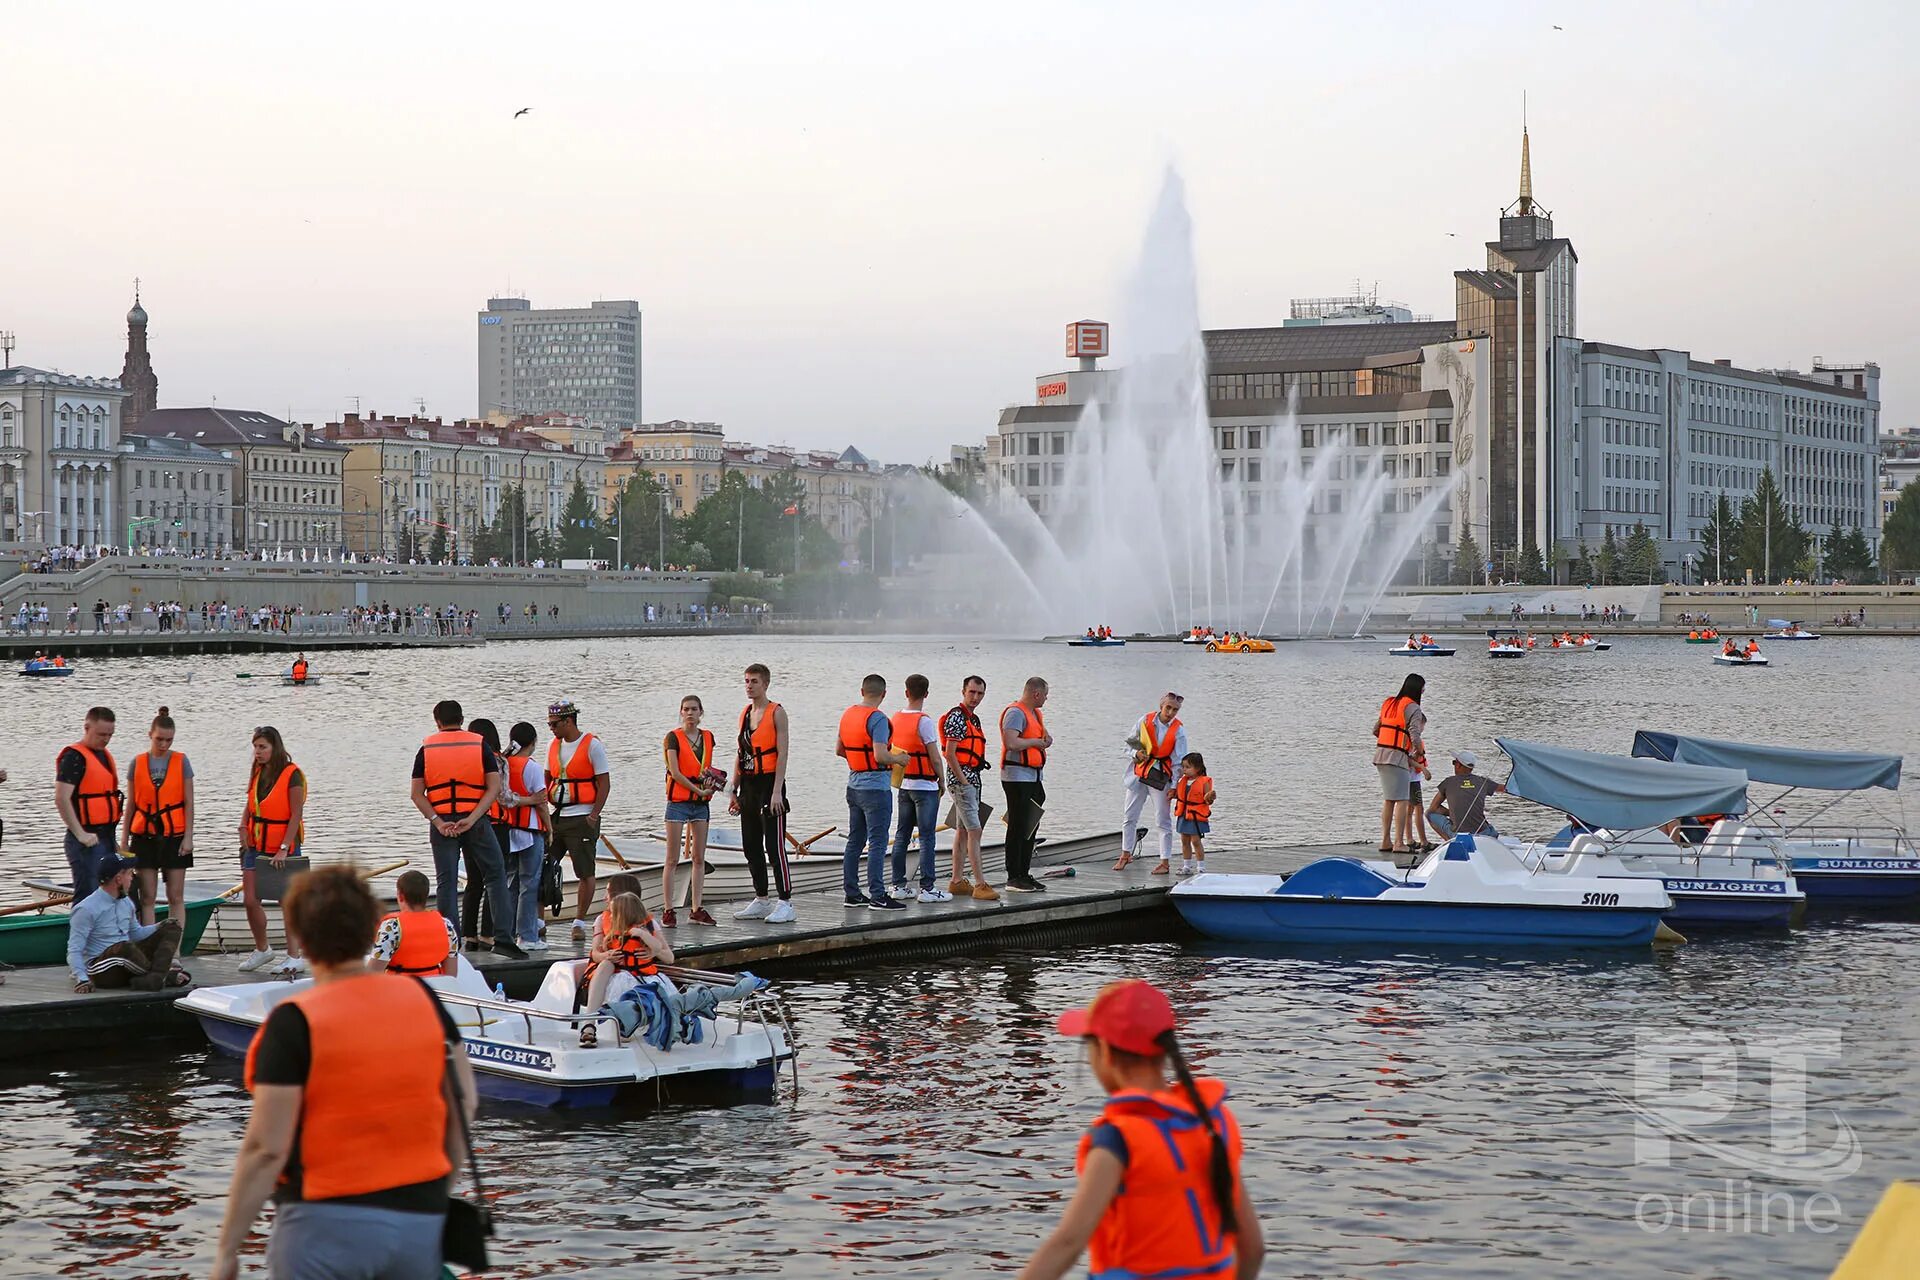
(935, 894)
(1188, 867)
(580, 931)
(291, 967)
(534, 944)
(260, 960)
(758, 909)
(782, 913)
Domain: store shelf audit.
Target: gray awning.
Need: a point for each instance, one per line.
(1619, 791)
(1782, 766)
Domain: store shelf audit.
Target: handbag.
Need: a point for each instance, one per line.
(1157, 775)
(469, 1225)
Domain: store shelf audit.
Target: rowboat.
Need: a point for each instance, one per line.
(42, 938)
(1793, 634)
(1109, 642)
(1421, 651)
(307, 681)
(1741, 660)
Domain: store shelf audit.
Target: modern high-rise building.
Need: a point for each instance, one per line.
(580, 361)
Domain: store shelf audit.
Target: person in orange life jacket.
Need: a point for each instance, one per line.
(416, 939)
(1156, 741)
(271, 826)
(1193, 809)
(1397, 740)
(1160, 1192)
(1024, 741)
(522, 813)
(158, 823)
(618, 883)
(865, 743)
(87, 796)
(300, 669)
(476, 910)
(758, 793)
(351, 1131)
(633, 944)
(456, 779)
(577, 783)
(688, 752)
(963, 741)
(916, 737)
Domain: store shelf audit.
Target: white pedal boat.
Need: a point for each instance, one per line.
(529, 1050)
(1728, 660)
(1421, 650)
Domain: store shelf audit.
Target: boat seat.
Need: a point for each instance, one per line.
(1586, 842)
(558, 988)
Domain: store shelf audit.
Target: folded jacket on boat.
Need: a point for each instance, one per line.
(671, 1014)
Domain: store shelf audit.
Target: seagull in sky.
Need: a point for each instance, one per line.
(1558, 27)
(522, 111)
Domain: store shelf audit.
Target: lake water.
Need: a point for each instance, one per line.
(1420, 1114)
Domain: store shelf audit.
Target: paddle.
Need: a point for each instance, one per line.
(54, 901)
(806, 846)
(364, 875)
(617, 855)
(282, 675)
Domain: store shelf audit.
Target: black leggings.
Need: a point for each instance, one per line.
(763, 834)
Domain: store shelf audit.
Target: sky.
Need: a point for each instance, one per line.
(868, 224)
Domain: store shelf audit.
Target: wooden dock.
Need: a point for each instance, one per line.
(39, 1009)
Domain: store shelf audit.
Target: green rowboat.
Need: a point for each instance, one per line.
(42, 938)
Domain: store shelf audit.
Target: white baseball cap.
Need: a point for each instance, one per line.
(1466, 758)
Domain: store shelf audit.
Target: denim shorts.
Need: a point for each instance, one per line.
(688, 811)
(250, 856)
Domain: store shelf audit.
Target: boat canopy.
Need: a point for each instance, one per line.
(1782, 766)
(1620, 792)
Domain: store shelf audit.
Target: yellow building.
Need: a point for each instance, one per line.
(687, 456)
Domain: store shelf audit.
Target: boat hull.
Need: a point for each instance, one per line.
(1733, 904)
(1722, 660)
(42, 939)
(1422, 652)
(1282, 919)
(48, 673)
(1097, 644)
(1859, 880)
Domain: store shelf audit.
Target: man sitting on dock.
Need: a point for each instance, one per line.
(1460, 802)
(108, 947)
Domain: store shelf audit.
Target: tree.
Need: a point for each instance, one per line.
(1467, 561)
(437, 545)
(1848, 556)
(579, 525)
(1640, 559)
(1606, 565)
(1772, 543)
(1900, 539)
(1434, 569)
(1720, 543)
(1580, 569)
(1533, 570)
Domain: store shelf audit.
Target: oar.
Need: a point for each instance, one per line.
(364, 875)
(54, 901)
(617, 855)
(282, 675)
(806, 846)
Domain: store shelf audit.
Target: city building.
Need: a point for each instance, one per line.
(579, 361)
(1899, 465)
(58, 438)
(287, 495)
(136, 371)
(844, 491)
(688, 457)
(406, 477)
(176, 495)
(1352, 308)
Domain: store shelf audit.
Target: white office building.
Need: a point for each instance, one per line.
(580, 361)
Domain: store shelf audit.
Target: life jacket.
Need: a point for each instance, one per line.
(97, 800)
(455, 771)
(373, 1113)
(1187, 802)
(1393, 733)
(1158, 748)
(1163, 1222)
(574, 784)
(423, 941)
(691, 766)
(856, 738)
(59, 661)
(300, 670)
(629, 955)
(270, 816)
(162, 810)
(759, 747)
(970, 748)
(906, 737)
(1027, 757)
(520, 817)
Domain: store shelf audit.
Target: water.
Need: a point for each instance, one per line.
(1436, 1115)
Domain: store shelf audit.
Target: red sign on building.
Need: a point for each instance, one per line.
(1087, 338)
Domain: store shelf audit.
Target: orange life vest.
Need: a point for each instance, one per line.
(970, 748)
(760, 746)
(1158, 748)
(162, 810)
(691, 766)
(373, 1113)
(1191, 798)
(456, 771)
(629, 955)
(1393, 733)
(269, 817)
(521, 817)
(1034, 757)
(575, 784)
(856, 738)
(423, 941)
(1164, 1222)
(300, 670)
(906, 737)
(97, 800)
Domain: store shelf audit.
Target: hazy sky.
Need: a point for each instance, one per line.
(868, 223)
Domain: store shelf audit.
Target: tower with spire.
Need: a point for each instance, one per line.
(136, 373)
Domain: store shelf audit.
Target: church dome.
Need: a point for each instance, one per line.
(138, 315)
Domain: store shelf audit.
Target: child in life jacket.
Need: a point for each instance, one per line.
(1193, 812)
(1423, 834)
(623, 882)
(632, 943)
(1160, 1190)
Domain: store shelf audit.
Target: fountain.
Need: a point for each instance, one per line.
(1154, 536)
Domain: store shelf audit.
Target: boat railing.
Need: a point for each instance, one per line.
(1854, 839)
(756, 1002)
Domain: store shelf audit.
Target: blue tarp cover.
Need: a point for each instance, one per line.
(1619, 791)
(1782, 766)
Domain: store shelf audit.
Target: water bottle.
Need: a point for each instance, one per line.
(500, 992)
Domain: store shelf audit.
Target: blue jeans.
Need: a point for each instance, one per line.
(322, 1240)
(868, 812)
(523, 887)
(917, 809)
(83, 861)
(1440, 823)
(489, 868)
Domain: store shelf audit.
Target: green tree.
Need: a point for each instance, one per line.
(1467, 560)
(1580, 568)
(1434, 569)
(1772, 543)
(1720, 543)
(1640, 559)
(579, 525)
(1606, 565)
(1848, 556)
(437, 544)
(1900, 539)
(1533, 570)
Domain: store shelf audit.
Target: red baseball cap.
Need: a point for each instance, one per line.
(1130, 1015)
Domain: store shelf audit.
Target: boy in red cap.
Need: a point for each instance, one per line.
(1160, 1190)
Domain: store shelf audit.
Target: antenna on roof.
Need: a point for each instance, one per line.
(6, 348)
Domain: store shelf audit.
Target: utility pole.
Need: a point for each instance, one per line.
(662, 493)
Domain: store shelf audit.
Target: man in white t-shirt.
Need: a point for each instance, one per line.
(577, 786)
(915, 735)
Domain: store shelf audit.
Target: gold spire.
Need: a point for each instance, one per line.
(1526, 174)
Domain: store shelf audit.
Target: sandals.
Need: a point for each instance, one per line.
(1125, 860)
(1162, 868)
(1386, 848)
(589, 1036)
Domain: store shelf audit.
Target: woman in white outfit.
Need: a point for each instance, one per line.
(1159, 742)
